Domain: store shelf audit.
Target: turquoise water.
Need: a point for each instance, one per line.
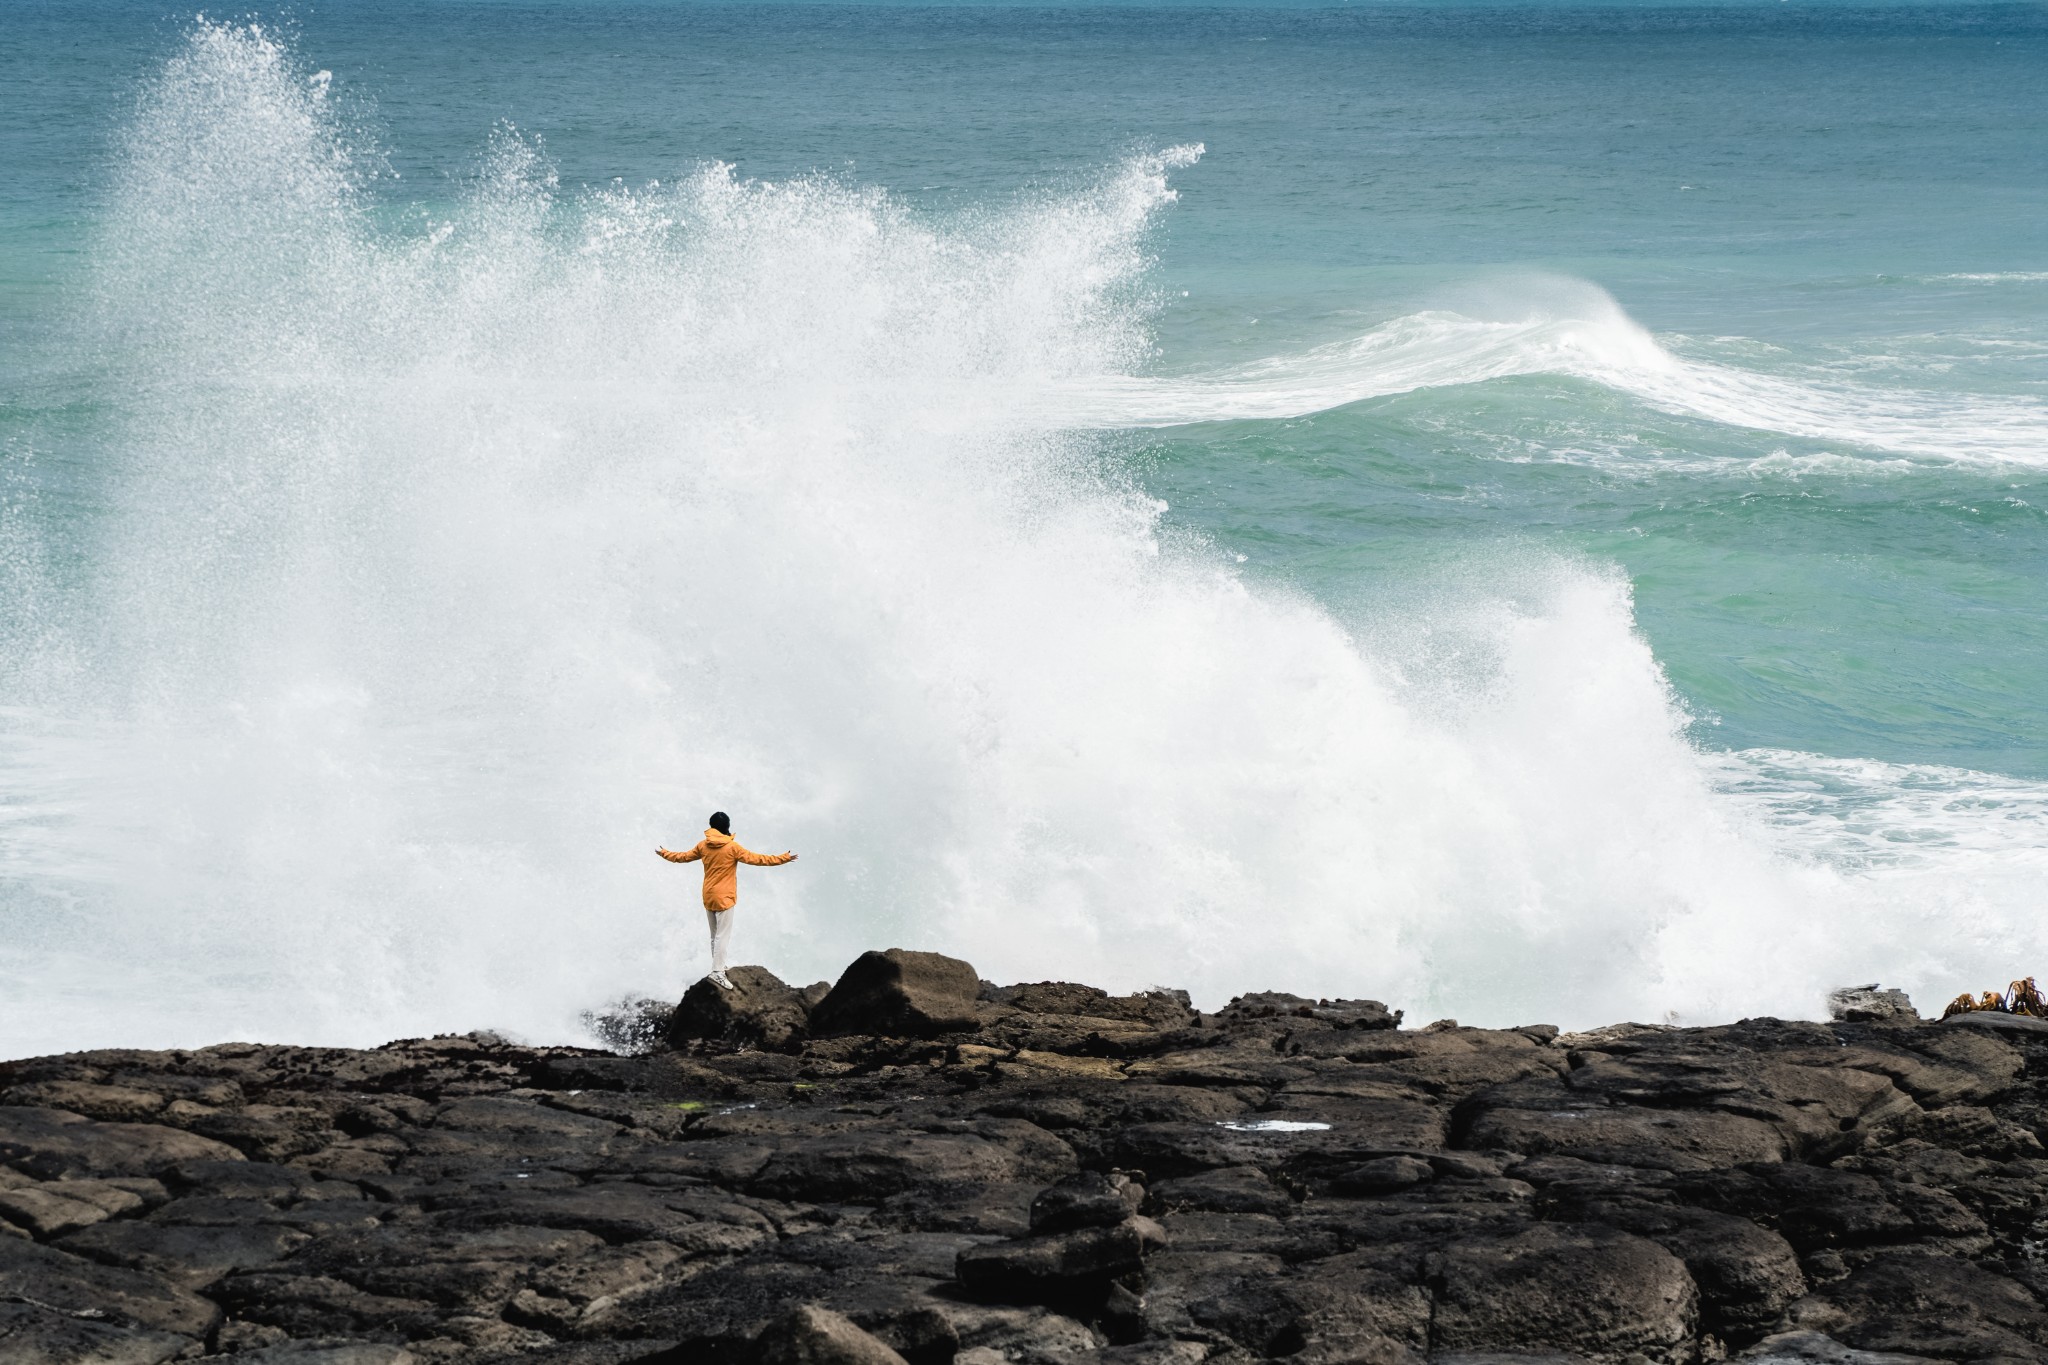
(1520, 511)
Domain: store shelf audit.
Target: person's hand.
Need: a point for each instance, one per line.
(662, 851)
(787, 854)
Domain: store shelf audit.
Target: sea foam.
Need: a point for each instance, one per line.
(454, 558)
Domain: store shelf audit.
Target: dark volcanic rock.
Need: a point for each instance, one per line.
(1002, 1209)
(328, 1352)
(1931, 1306)
(1748, 1275)
(874, 1165)
(57, 1280)
(1588, 1289)
(718, 1315)
(51, 1144)
(317, 1306)
(1351, 1307)
(945, 1171)
(192, 1256)
(1547, 1117)
(1997, 1022)
(1027, 1266)
(1383, 1175)
(31, 1334)
(242, 1180)
(1347, 1014)
(900, 994)
(1234, 1189)
(1088, 1200)
(47, 1209)
(818, 1336)
(759, 1010)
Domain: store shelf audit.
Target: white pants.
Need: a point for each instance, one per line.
(721, 934)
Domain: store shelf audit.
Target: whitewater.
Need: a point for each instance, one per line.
(455, 551)
(1571, 328)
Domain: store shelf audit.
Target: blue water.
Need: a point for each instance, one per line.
(1541, 516)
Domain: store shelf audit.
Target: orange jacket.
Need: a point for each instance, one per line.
(721, 855)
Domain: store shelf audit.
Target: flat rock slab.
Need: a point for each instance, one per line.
(50, 1144)
(1931, 1306)
(72, 1284)
(193, 1257)
(328, 1353)
(1232, 1189)
(1313, 1139)
(618, 1212)
(242, 1179)
(1546, 1117)
(34, 1335)
(51, 1209)
(875, 1165)
(1997, 1022)
(320, 1306)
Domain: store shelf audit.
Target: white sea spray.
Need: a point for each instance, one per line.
(456, 562)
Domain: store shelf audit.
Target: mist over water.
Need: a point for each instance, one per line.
(455, 554)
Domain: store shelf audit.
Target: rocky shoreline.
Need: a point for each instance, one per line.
(912, 1165)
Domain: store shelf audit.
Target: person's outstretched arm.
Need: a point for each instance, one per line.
(753, 859)
(688, 855)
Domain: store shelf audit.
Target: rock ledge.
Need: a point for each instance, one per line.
(915, 1165)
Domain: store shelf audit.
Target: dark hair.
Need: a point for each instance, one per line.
(721, 822)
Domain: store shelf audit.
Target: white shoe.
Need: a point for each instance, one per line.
(723, 982)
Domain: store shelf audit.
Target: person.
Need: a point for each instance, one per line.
(721, 855)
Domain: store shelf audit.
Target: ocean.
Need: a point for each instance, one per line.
(1529, 513)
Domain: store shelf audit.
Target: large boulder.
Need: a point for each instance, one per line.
(760, 1009)
(1747, 1275)
(900, 994)
(1871, 1004)
(1088, 1199)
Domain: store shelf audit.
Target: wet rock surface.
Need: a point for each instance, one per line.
(943, 1170)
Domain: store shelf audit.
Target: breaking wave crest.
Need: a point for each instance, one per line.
(453, 561)
(1592, 339)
